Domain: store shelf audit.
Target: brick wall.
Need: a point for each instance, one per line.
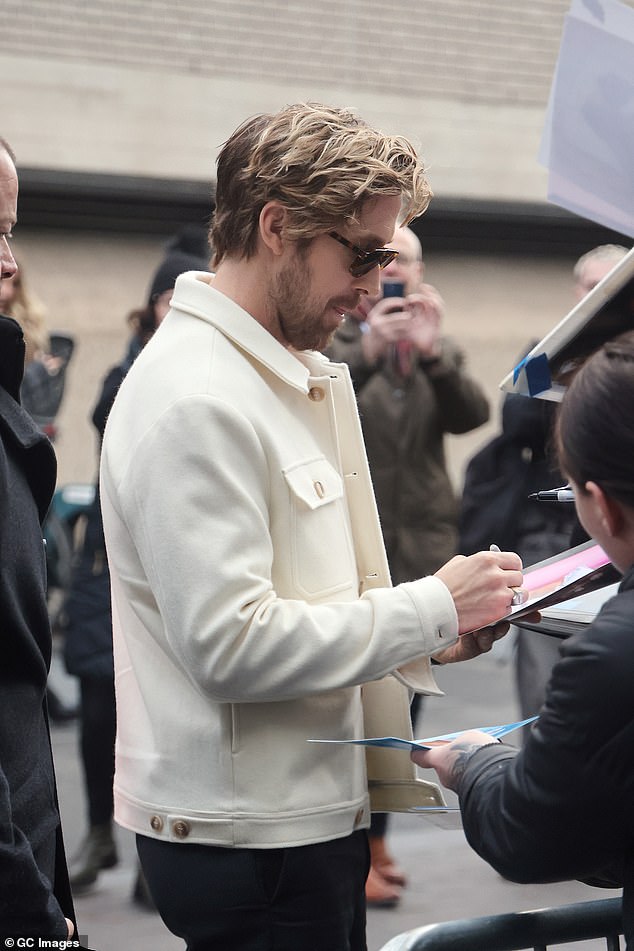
(153, 87)
(472, 50)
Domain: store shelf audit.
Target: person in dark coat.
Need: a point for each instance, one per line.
(561, 807)
(497, 508)
(502, 475)
(35, 896)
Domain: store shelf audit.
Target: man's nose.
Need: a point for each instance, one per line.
(392, 270)
(8, 266)
(370, 283)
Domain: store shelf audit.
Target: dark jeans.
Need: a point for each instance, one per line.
(308, 897)
(98, 728)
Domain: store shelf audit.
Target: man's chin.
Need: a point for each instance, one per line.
(316, 341)
(325, 339)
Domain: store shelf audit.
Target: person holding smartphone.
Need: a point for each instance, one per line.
(412, 388)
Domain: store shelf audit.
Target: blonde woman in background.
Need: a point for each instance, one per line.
(43, 384)
(18, 302)
(41, 390)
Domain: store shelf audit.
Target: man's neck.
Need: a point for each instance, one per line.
(245, 282)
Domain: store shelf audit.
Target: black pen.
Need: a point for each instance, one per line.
(563, 494)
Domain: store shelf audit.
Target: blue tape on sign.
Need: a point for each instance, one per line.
(537, 372)
(538, 375)
(518, 369)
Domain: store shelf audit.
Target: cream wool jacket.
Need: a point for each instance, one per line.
(251, 595)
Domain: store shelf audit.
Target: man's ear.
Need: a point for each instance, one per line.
(608, 509)
(272, 225)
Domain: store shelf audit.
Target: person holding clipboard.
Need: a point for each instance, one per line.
(560, 808)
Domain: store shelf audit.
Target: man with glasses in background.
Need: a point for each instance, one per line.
(412, 389)
(251, 593)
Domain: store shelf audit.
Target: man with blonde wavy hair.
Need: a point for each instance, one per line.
(252, 605)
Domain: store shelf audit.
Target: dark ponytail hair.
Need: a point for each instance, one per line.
(595, 426)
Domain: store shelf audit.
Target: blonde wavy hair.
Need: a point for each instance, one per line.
(322, 163)
(30, 313)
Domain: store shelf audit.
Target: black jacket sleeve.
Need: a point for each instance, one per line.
(560, 809)
(27, 903)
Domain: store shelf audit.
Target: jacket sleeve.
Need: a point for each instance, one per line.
(462, 403)
(560, 809)
(27, 903)
(212, 577)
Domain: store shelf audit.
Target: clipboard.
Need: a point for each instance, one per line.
(604, 313)
(570, 574)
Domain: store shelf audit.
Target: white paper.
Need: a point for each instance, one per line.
(596, 316)
(588, 139)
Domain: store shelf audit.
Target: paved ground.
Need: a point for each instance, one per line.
(447, 880)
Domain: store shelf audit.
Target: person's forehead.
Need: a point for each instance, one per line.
(594, 271)
(375, 223)
(8, 188)
(404, 241)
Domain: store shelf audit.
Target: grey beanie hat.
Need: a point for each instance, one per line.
(187, 251)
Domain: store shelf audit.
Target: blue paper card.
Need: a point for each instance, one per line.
(397, 743)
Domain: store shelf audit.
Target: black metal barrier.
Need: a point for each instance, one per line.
(517, 931)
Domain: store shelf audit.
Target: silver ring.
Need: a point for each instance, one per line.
(519, 597)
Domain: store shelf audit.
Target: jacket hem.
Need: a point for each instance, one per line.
(259, 831)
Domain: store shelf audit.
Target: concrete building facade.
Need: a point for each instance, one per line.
(116, 110)
(153, 87)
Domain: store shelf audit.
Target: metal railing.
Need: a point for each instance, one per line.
(517, 931)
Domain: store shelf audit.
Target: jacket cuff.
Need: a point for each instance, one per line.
(436, 611)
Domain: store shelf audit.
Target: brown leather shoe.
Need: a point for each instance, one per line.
(380, 893)
(383, 863)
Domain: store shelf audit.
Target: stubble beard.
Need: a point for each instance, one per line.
(299, 318)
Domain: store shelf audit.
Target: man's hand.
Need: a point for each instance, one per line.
(426, 310)
(450, 759)
(482, 587)
(415, 318)
(387, 322)
(472, 645)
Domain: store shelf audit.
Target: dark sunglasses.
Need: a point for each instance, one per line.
(366, 260)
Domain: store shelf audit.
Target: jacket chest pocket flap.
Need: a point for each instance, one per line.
(322, 554)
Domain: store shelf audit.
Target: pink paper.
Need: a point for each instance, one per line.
(591, 558)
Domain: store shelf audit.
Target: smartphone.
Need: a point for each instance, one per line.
(393, 289)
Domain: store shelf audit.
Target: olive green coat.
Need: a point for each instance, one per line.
(404, 424)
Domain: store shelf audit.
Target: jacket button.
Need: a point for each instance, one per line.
(316, 394)
(319, 489)
(156, 823)
(181, 829)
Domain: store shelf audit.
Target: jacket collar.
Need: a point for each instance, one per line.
(628, 580)
(194, 295)
(11, 356)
